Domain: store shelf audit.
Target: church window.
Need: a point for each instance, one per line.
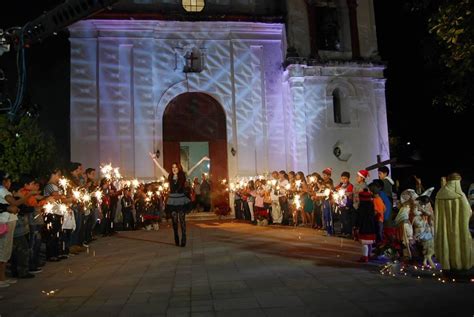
(341, 111)
(327, 29)
(193, 5)
(336, 101)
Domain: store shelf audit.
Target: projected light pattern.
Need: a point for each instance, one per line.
(125, 73)
(137, 68)
(362, 87)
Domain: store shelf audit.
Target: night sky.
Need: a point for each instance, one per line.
(440, 140)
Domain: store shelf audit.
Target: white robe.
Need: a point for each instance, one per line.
(453, 241)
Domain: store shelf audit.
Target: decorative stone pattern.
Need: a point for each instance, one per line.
(125, 73)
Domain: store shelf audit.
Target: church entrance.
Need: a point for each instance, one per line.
(194, 129)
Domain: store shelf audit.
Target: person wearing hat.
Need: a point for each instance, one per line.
(327, 180)
(365, 224)
(359, 186)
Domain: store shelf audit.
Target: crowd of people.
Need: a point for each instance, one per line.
(377, 214)
(52, 219)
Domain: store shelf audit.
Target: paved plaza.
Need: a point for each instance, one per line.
(229, 268)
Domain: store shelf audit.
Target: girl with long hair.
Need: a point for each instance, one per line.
(178, 203)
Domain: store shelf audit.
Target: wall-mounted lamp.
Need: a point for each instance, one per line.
(233, 151)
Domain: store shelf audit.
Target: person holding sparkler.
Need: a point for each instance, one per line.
(316, 182)
(178, 203)
(53, 218)
(281, 189)
(127, 209)
(344, 203)
(276, 214)
(328, 185)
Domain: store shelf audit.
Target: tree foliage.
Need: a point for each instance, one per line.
(450, 26)
(453, 28)
(24, 147)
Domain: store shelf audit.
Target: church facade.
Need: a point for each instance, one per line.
(283, 97)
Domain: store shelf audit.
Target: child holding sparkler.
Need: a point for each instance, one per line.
(326, 207)
(261, 213)
(344, 203)
(316, 182)
(127, 209)
(35, 219)
(272, 189)
(282, 188)
(53, 232)
(20, 254)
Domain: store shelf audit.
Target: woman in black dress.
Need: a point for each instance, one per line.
(178, 203)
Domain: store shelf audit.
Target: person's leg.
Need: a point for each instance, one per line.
(252, 214)
(75, 238)
(182, 221)
(2, 271)
(174, 217)
(113, 213)
(14, 258)
(22, 256)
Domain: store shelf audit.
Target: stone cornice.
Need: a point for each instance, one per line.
(342, 69)
(171, 29)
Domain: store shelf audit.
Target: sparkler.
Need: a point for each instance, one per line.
(110, 172)
(64, 183)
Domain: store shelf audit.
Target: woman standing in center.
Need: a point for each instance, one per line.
(178, 203)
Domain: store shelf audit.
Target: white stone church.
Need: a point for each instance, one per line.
(272, 85)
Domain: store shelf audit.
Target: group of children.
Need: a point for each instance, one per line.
(362, 210)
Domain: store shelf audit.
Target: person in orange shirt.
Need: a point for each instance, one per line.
(36, 221)
(379, 208)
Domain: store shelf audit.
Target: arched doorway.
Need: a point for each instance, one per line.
(197, 117)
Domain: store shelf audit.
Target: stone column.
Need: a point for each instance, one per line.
(298, 140)
(381, 112)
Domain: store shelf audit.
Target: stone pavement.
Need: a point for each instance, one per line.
(228, 269)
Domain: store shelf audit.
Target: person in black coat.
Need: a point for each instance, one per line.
(365, 224)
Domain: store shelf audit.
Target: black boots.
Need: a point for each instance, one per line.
(183, 240)
(176, 239)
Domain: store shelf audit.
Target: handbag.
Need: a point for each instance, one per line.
(3, 229)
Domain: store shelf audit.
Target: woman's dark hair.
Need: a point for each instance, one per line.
(251, 185)
(103, 181)
(285, 176)
(302, 177)
(181, 175)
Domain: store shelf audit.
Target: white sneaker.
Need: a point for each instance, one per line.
(4, 284)
(11, 281)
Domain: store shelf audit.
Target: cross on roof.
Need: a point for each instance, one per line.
(380, 163)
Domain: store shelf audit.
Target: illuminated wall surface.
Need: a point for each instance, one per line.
(124, 74)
